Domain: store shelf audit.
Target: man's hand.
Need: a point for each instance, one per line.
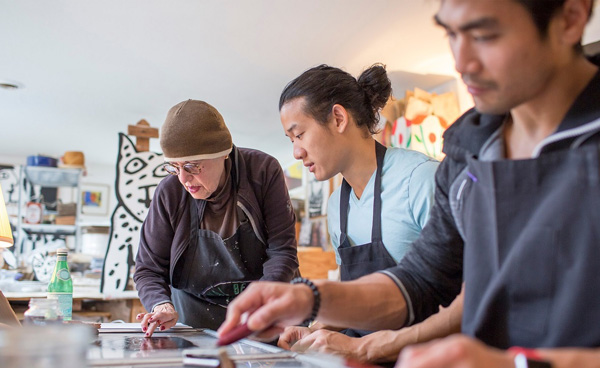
(331, 342)
(270, 306)
(456, 351)
(292, 334)
(163, 317)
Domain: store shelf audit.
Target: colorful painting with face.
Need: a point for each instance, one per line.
(423, 122)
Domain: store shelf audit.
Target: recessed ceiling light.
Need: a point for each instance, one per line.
(8, 84)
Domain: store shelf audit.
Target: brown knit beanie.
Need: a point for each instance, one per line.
(194, 130)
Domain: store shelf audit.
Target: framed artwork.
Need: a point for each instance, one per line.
(94, 199)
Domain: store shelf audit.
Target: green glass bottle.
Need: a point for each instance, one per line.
(61, 285)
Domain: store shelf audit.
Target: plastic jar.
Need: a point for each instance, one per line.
(48, 346)
(42, 312)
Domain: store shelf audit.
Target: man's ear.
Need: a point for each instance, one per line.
(340, 117)
(575, 16)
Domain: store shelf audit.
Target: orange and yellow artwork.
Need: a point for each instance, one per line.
(419, 120)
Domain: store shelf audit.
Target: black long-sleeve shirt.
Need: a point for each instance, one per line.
(261, 194)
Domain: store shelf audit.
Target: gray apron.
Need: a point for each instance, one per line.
(214, 271)
(532, 250)
(363, 259)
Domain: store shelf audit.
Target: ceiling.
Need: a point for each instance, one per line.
(88, 69)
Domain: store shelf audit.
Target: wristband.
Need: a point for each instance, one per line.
(316, 295)
(528, 358)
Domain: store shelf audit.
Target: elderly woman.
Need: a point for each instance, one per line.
(221, 220)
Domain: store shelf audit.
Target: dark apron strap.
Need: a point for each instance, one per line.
(196, 213)
(361, 260)
(345, 200)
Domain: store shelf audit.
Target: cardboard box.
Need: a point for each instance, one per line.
(64, 220)
(67, 209)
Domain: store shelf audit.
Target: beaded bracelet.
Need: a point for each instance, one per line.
(316, 294)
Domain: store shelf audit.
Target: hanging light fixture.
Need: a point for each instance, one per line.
(10, 85)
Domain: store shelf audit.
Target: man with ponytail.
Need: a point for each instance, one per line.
(386, 193)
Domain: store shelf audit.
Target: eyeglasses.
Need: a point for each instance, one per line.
(190, 168)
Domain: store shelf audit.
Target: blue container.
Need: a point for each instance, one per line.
(42, 161)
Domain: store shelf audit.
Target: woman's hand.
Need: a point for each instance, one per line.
(163, 317)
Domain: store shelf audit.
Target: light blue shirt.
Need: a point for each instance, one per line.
(407, 189)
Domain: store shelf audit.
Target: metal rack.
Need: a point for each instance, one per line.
(48, 177)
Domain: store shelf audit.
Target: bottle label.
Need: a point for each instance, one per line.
(65, 304)
(63, 274)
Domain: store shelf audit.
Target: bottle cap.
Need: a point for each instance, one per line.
(62, 250)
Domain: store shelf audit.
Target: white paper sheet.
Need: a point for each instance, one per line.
(137, 327)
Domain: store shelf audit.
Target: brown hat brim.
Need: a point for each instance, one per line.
(207, 156)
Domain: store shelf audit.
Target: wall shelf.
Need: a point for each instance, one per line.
(52, 177)
(33, 179)
(49, 229)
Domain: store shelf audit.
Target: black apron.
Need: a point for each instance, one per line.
(214, 271)
(532, 250)
(357, 261)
